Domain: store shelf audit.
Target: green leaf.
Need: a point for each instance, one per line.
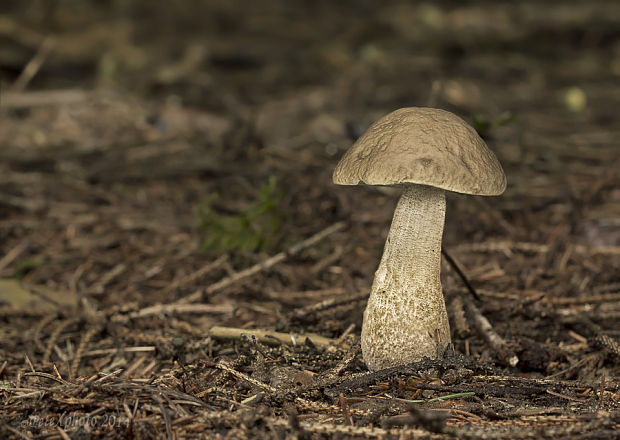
(255, 228)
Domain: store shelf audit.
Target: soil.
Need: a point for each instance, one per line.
(175, 261)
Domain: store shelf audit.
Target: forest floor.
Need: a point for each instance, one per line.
(175, 261)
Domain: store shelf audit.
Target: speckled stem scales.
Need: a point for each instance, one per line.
(406, 317)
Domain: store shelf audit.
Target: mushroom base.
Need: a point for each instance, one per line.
(405, 319)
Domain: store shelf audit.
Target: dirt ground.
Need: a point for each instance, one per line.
(175, 261)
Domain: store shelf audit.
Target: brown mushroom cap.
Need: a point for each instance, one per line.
(423, 146)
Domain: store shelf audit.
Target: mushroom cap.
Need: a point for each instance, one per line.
(425, 146)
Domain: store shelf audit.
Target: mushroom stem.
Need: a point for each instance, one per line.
(406, 318)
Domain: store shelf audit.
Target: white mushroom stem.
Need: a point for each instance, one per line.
(406, 318)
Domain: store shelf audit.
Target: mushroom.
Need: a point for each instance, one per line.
(425, 151)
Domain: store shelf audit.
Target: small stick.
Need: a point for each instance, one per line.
(485, 329)
(346, 415)
(329, 303)
(460, 273)
(535, 248)
(457, 313)
(327, 379)
(18, 433)
(29, 362)
(239, 375)
(39, 328)
(75, 365)
(344, 334)
(585, 299)
(104, 351)
(166, 417)
(597, 337)
(34, 65)
(345, 362)
(503, 246)
(176, 308)
(42, 98)
(106, 278)
(564, 396)
(13, 254)
(333, 430)
(302, 403)
(62, 433)
(48, 376)
(55, 335)
(263, 265)
(268, 337)
(481, 323)
(197, 274)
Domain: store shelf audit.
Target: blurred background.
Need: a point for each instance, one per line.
(166, 105)
(136, 131)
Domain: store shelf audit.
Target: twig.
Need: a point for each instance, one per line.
(460, 273)
(166, 417)
(596, 335)
(196, 275)
(363, 380)
(435, 399)
(334, 431)
(239, 375)
(431, 420)
(62, 433)
(345, 333)
(524, 382)
(55, 335)
(47, 97)
(176, 308)
(105, 279)
(294, 298)
(564, 396)
(48, 376)
(39, 328)
(485, 329)
(481, 323)
(301, 403)
(13, 254)
(327, 379)
(585, 299)
(328, 303)
(34, 65)
(269, 337)
(18, 433)
(606, 288)
(346, 414)
(80, 350)
(327, 261)
(497, 216)
(536, 248)
(263, 265)
(104, 351)
(457, 313)
(29, 362)
(354, 351)
(574, 366)
(23, 35)
(503, 246)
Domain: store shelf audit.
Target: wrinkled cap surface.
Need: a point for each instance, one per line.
(424, 146)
